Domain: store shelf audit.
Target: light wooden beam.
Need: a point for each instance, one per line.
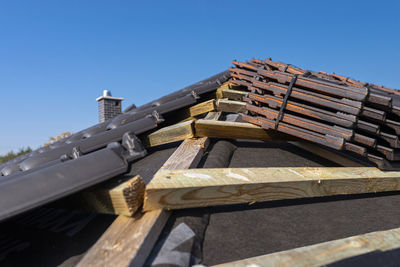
(177, 189)
(121, 197)
(233, 94)
(188, 155)
(124, 197)
(212, 128)
(213, 115)
(230, 106)
(101, 201)
(202, 108)
(129, 241)
(221, 91)
(193, 112)
(170, 134)
(236, 130)
(327, 252)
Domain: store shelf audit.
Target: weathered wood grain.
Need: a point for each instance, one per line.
(118, 196)
(188, 155)
(227, 87)
(327, 252)
(170, 134)
(236, 130)
(230, 106)
(129, 241)
(213, 115)
(233, 94)
(195, 111)
(202, 108)
(177, 189)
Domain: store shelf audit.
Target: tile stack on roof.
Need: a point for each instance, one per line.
(327, 109)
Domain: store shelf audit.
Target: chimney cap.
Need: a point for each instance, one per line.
(106, 92)
(107, 95)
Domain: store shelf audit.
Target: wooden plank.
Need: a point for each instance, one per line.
(326, 154)
(213, 115)
(170, 134)
(327, 252)
(188, 155)
(177, 189)
(236, 130)
(202, 108)
(228, 86)
(129, 241)
(231, 106)
(193, 112)
(121, 197)
(233, 94)
(196, 110)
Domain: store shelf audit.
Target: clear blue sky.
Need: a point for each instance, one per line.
(57, 56)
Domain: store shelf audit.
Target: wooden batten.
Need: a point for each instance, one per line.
(129, 241)
(236, 130)
(177, 189)
(202, 108)
(230, 106)
(233, 94)
(213, 115)
(170, 134)
(195, 111)
(231, 91)
(120, 196)
(325, 253)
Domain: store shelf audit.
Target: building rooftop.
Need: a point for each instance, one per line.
(199, 176)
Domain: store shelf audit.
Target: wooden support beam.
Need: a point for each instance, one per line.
(325, 253)
(228, 86)
(230, 106)
(188, 155)
(193, 112)
(118, 197)
(121, 197)
(202, 108)
(326, 154)
(236, 130)
(213, 115)
(129, 241)
(170, 134)
(233, 94)
(177, 189)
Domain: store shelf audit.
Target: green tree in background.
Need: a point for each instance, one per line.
(10, 155)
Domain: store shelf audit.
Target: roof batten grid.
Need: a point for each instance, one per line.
(327, 252)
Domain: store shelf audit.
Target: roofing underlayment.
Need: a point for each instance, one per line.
(265, 160)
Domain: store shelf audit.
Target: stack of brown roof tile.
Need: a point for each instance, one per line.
(328, 109)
